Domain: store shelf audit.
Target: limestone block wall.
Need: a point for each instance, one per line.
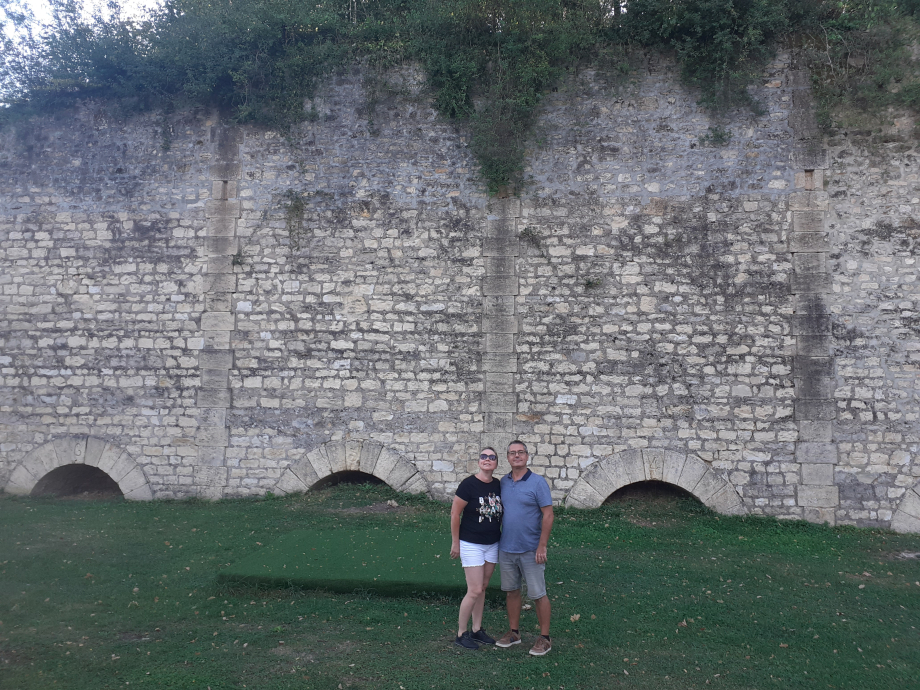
(214, 310)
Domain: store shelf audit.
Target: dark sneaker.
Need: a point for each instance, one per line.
(541, 646)
(482, 637)
(466, 641)
(508, 639)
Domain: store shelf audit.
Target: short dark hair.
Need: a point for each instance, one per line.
(518, 442)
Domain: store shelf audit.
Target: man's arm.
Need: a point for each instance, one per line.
(544, 533)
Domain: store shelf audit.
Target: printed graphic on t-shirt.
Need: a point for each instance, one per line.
(490, 507)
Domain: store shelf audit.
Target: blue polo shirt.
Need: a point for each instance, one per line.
(523, 518)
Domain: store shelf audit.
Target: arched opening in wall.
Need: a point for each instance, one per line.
(346, 477)
(654, 503)
(77, 481)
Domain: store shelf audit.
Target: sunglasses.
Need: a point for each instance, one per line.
(486, 456)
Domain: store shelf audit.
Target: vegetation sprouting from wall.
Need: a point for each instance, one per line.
(487, 61)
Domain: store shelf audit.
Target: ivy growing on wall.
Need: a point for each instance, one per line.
(488, 62)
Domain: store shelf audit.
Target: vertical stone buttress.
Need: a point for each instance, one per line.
(813, 366)
(500, 326)
(218, 320)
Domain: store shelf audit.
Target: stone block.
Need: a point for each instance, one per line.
(386, 461)
(499, 363)
(220, 282)
(94, 449)
(673, 467)
(819, 516)
(499, 343)
(221, 227)
(817, 283)
(109, 458)
(401, 473)
(499, 402)
(370, 452)
(809, 242)
(626, 468)
(808, 222)
(693, 471)
(212, 456)
(211, 436)
(811, 452)
(601, 480)
(585, 495)
(317, 458)
(225, 171)
(42, 460)
(807, 324)
(818, 387)
(815, 410)
(217, 340)
(809, 262)
(415, 485)
(210, 482)
(141, 493)
(499, 382)
(221, 246)
(304, 471)
(817, 496)
(505, 245)
(220, 208)
(726, 501)
(653, 458)
(220, 264)
(499, 324)
(70, 450)
(498, 305)
(817, 474)
(813, 345)
(289, 483)
(504, 284)
(707, 486)
(353, 455)
(21, 481)
(215, 378)
(808, 201)
(218, 321)
(499, 422)
(213, 397)
(910, 504)
(503, 209)
(336, 455)
(816, 431)
(132, 481)
(816, 452)
(500, 265)
(215, 359)
(907, 517)
(120, 468)
(813, 367)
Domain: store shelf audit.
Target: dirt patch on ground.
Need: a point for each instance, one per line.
(373, 508)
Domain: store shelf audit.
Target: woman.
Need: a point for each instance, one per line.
(475, 528)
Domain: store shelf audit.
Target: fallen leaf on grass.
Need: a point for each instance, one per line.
(783, 645)
(574, 617)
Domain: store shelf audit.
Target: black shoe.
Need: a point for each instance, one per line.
(466, 641)
(482, 637)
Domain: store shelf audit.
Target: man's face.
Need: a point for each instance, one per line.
(517, 456)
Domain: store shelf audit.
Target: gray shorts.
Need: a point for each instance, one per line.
(515, 567)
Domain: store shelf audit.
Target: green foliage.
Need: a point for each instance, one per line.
(716, 135)
(488, 62)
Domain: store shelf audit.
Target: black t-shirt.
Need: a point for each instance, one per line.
(481, 520)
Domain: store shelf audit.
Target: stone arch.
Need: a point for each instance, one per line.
(907, 517)
(368, 457)
(690, 473)
(112, 459)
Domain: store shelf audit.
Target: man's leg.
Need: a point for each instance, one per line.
(513, 606)
(543, 608)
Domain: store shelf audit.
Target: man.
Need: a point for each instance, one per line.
(527, 521)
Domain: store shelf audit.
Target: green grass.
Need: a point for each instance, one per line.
(647, 594)
(383, 560)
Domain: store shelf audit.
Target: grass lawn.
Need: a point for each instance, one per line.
(646, 594)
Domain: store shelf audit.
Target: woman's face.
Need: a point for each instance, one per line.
(488, 460)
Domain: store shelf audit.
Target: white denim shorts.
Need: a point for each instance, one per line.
(473, 555)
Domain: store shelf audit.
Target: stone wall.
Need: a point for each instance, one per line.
(205, 309)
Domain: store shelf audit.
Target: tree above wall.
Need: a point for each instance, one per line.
(488, 62)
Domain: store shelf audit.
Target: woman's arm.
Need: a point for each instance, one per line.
(456, 510)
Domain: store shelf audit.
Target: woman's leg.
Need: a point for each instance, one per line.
(474, 589)
(487, 571)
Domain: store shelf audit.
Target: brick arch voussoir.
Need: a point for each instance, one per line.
(906, 518)
(606, 476)
(111, 458)
(367, 456)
